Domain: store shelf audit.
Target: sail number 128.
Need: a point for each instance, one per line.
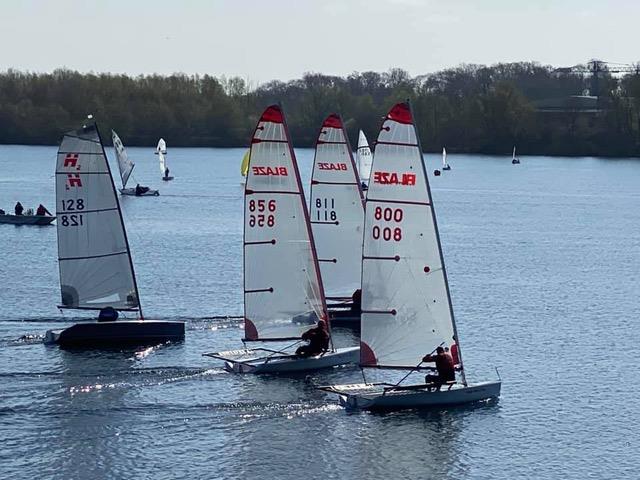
(73, 219)
(387, 233)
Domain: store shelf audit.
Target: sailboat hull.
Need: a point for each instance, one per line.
(446, 167)
(118, 333)
(166, 179)
(26, 219)
(292, 363)
(132, 192)
(374, 397)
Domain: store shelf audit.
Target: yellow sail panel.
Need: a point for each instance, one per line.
(244, 166)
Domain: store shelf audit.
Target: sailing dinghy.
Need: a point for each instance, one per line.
(283, 293)
(406, 306)
(96, 270)
(514, 160)
(161, 151)
(337, 217)
(125, 166)
(445, 165)
(364, 159)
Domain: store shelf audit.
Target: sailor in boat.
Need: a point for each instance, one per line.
(318, 339)
(140, 190)
(454, 352)
(166, 172)
(41, 211)
(108, 314)
(18, 209)
(444, 367)
(2, 212)
(356, 302)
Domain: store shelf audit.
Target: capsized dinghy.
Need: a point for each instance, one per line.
(96, 270)
(125, 166)
(406, 306)
(283, 293)
(161, 151)
(26, 219)
(337, 217)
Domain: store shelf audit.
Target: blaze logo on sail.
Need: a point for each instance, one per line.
(393, 178)
(332, 166)
(274, 171)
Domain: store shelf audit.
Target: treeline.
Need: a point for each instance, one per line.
(471, 108)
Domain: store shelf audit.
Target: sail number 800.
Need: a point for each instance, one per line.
(387, 215)
(262, 219)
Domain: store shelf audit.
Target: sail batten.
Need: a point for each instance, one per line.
(337, 210)
(94, 258)
(406, 306)
(283, 291)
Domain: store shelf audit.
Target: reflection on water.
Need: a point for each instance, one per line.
(543, 265)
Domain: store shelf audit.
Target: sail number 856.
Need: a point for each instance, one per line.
(387, 233)
(262, 213)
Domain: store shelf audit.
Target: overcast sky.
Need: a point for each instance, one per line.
(282, 39)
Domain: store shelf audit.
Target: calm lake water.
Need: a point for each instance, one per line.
(543, 260)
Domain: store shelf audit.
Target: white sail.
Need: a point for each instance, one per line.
(161, 150)
(406, 309)
(93, 253)
(125, 165)
(444, 157)
(364, 157)
(514, 153)
(337, 211)
(281, 274)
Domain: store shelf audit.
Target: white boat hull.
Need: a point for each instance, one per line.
(291, 363)
(371, 397)
(26, 219)
(132, 192)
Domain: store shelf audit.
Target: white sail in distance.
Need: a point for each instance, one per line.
(444, 157)
(283, 292)
(364, 157)
(93, 253)
(161, 150)
(406, 308)
(337, 210)
(125, 165)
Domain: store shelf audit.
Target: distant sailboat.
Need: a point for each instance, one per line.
(125, 166)
(406, 305)
(337, 215)
(161, 151)
(244, 166)
(445, 165)
(96, 270)
(364, 159)
(283, 293)
(514, 160)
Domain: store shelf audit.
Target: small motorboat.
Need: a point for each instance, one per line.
(27, 219)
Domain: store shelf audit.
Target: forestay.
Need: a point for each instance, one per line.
(283, 289)
(161, 150)
(93, 253)
(125, 166)
(364, 157)
(337, 211)
(406, 309)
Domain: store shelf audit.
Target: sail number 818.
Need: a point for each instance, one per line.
(387, 215)
(262, 219)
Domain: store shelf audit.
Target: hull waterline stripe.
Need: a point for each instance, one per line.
(93, 256)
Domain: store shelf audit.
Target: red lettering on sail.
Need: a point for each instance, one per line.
(73, 180)
(393, 178)
(71, 160)
(274, 171)
(332, 166)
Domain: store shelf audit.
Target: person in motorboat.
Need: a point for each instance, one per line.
(41, 211)
(318, 339)
(445, 368)
(18, 209)
(356, 299)
(140, 190)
